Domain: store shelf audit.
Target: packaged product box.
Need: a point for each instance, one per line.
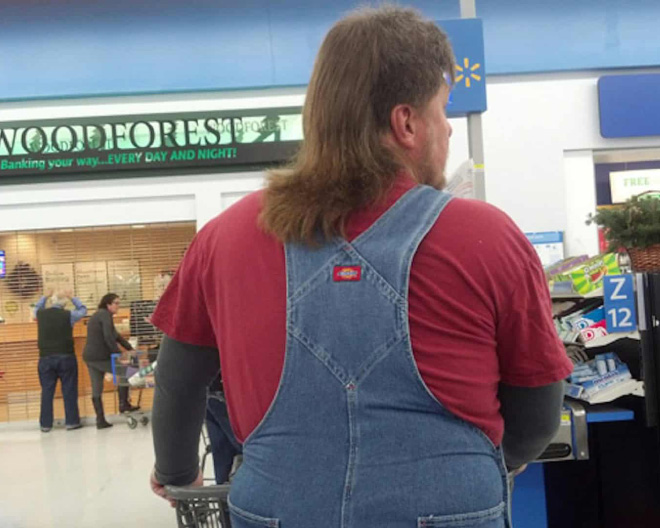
(591, 325)
(588, 276)
(593, 379)
(594, 331)
(582, 321)
(592, 387)
(565, 265)
(565, 286)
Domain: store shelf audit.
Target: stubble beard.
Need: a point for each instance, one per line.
(430, 174)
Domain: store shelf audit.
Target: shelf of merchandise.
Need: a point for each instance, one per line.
(576, 296)
(611, 338)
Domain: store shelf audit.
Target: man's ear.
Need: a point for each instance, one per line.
(404, 124)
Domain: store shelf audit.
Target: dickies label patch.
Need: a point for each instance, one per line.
(347, 273)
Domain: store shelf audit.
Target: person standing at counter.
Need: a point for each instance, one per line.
(102, 340)
(57, 356)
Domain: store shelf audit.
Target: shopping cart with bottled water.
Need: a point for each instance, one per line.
(136, 371)
(201, 507)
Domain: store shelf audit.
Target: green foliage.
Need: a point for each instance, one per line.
(634, 224)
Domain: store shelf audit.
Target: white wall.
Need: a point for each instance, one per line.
(114, 202)
(580, 201)
(532, 125)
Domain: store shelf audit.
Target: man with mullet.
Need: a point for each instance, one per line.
(387, 350)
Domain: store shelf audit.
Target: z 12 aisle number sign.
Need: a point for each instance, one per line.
(620, 314)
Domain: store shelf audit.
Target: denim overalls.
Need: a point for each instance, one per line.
(353, 437)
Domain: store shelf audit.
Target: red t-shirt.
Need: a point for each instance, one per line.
(479, 308)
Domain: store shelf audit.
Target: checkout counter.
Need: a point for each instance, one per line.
(600, 471)
(571, 443)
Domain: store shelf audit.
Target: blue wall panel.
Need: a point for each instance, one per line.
(120, 46)
(629, 105)
(68, 48)
(541, 36)
(77, 47)
(299, 26)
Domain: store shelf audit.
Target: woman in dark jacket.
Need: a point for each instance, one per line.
(102, 339)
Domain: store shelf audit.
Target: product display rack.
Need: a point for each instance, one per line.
(619, 485)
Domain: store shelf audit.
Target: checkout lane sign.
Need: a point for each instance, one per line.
(620, 312)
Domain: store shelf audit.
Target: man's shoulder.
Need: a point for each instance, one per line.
(243, 214)
(474, 218)
(233, 235)
(49, 309)
(472, 226)
(52, 310)
(478, 211)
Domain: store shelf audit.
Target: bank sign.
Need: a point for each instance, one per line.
(94, 145)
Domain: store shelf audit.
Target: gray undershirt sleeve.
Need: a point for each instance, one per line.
(182, 375)
(531, 419)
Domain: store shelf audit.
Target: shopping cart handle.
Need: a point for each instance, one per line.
(113, 359)
(220, 492)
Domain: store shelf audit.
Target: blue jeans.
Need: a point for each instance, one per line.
(224, 446)
(65, 368)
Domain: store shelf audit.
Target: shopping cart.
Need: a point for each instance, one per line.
(201, 507)
(205, 442)
(136, 371)
(204, 506)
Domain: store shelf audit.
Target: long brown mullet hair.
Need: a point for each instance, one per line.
(369, 62)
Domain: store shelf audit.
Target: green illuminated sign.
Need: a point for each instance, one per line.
(93, 145)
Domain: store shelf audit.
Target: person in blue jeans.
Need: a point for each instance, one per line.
(224, 446)
(57, 357)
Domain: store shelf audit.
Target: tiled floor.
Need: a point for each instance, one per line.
(85, 478)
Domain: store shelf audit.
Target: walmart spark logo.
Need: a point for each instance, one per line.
(467, 73)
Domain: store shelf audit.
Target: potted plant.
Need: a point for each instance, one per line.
(635, 226)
